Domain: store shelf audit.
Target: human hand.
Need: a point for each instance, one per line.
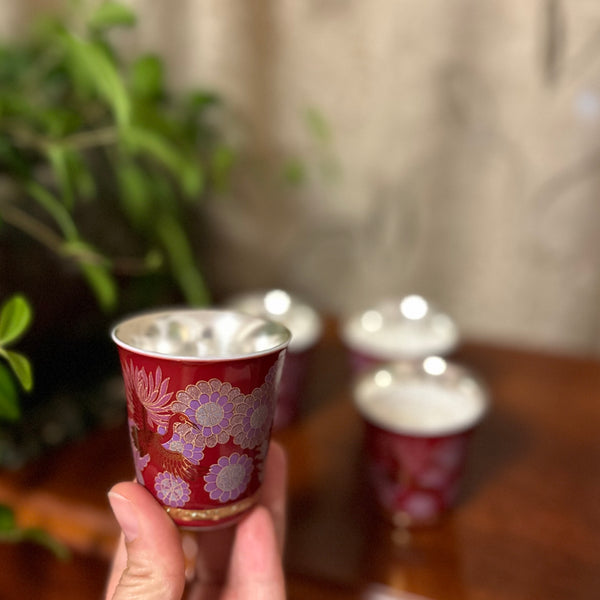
(154, 560)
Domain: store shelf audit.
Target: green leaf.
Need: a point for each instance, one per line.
(43, 538)
(96, 271)
(92, 64)
(102, 283)
(199, 100)
(9, 398)
(181, 259)
(7, 518)
(54, 207)
(15, 317)
(82, 179)
(191, 179)
(111, 14)
(71, 173)
(221, 163)
(147, 142)
(10, 532)
(135, 193)
(59, 121)
(147, 77)
(58, 159)
(21, 368)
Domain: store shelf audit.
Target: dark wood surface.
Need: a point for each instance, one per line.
(527, 525)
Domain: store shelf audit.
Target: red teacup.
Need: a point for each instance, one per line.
(201, 389)
(304, 324)
(419, 416)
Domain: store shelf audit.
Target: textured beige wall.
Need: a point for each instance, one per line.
(464, 141)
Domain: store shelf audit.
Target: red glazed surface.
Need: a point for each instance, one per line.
(291, 388)
(200, 431)
(415, 478)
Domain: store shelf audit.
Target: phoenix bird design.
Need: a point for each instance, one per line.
(148, 402)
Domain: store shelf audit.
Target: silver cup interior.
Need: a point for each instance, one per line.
(427, 397)
(201, 334)
(278, 305)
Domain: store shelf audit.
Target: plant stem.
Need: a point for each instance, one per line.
(48, 238)
(91, 139)
(32, 227)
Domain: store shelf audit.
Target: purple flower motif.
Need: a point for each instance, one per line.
(229, 477)
(171, 489)
(253, 418)
(187, 441)
(209, 404)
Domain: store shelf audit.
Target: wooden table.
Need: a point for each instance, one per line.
(527, 525)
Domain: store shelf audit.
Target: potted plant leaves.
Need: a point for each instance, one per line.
(102, 174)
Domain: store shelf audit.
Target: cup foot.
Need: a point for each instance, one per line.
(210, 518)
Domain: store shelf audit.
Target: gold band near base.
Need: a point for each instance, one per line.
(188, 515)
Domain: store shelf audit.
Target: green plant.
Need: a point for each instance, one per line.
(103, 167)
(87, 137)
(15, 318)
(12, 533)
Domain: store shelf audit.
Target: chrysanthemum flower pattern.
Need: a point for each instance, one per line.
(211, 413)
(252, 419)
(171, 489)
(209, 404)
(229, 477)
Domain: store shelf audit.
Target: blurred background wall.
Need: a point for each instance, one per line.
(447, 147)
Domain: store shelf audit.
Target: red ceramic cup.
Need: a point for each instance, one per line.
(305, 326)
(419, 416)
(201, 388)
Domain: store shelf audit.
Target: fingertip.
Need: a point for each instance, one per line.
(256, 555)
(125, 514)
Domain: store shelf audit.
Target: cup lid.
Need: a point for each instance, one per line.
(409, 327)
(278, 305)
(429, 397)
(200, 334)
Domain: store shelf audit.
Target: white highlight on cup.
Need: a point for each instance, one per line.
(414, 307)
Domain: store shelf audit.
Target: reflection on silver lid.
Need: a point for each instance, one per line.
(200, 334)
(302, 320)
(409, 327)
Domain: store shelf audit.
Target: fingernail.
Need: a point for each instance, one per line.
(125, 515)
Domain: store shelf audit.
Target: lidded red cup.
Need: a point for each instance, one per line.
(201, 388)
(409, 327)
(419, 416)
(305, 325)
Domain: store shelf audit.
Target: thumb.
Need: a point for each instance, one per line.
(149, 563)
